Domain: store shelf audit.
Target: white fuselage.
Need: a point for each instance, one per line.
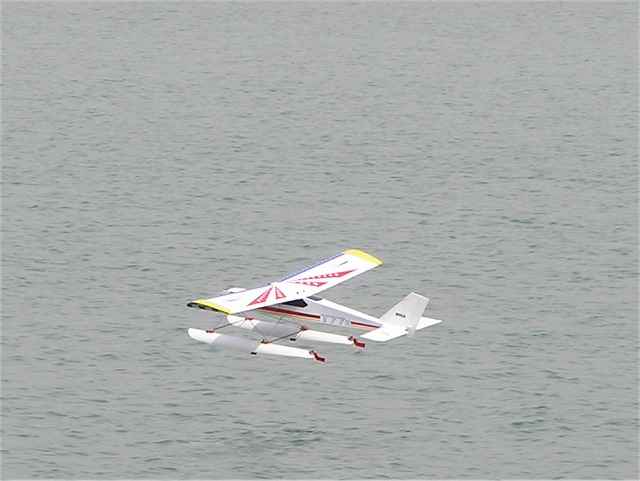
(315, 309)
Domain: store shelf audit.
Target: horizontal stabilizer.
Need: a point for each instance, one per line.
(427, 322)
(292, 332)
(389, 331)
(254, 347)
(385, 333)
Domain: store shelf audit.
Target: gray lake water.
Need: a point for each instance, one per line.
(156, 153)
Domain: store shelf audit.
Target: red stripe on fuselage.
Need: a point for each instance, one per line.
(362, 325)
(287, 312)
(313, 317)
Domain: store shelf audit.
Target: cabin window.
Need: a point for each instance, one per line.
(296, 303)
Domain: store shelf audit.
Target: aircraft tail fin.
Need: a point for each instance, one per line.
(402, 319)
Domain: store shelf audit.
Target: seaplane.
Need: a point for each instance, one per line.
(292, 302)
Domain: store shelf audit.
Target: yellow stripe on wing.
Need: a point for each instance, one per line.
(363, 255)
(204, 304)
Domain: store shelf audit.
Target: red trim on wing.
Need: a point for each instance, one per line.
(315, 280)
(309, 283)
(261, 298)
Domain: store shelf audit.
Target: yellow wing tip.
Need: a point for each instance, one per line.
(363, 255)
(204, 304)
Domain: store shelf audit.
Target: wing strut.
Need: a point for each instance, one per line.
(281, 332)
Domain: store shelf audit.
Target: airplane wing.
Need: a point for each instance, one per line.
(304, 283)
